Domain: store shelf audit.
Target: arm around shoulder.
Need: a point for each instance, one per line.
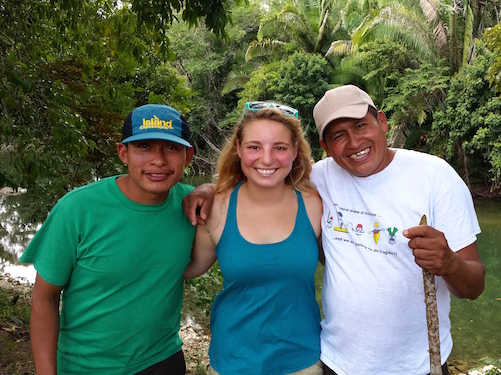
(198, 203)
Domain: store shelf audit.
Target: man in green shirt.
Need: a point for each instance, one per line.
(116, 251)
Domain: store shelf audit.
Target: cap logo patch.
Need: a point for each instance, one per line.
(156, 123)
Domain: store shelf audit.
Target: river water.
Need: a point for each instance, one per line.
(476, 325)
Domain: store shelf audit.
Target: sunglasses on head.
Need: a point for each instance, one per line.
(257, 106)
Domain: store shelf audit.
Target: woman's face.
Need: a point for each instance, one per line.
(266, 152)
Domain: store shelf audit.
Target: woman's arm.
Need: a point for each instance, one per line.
(203, 255)
(314, 209)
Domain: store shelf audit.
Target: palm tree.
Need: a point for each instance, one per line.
(401, 21)
(433, 29)
(436, 33)
(308, 26)
(300, 25)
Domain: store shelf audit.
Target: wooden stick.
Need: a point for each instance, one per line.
(430, 298)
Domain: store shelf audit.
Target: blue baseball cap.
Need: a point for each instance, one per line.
(156, 121)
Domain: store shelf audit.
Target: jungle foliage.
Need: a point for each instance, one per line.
(71, 71)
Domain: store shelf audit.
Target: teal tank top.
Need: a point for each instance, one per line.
(266, 320)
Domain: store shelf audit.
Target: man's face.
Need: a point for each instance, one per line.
(358, 145)
(154, 167)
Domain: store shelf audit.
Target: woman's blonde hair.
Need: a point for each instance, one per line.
(229, 170)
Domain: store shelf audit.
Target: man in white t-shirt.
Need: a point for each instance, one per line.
(373, 199)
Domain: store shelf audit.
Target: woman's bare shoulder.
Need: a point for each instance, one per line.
(312, 198)
(314, 209)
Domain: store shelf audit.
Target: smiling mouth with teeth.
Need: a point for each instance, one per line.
(360, 154)
(266, 171)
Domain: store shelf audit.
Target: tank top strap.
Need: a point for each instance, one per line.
(231, 216)
(300, 202)
(303, 224)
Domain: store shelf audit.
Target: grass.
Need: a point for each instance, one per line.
(15, 349)
(14, 311)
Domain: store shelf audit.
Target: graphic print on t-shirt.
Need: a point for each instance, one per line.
(360, 228)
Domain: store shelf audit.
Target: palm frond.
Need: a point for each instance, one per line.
(234, 82)
(468, 36)
(321, 31)
(403, 24)
(262, 48)
(340, 48)
(454, 43)
(296, 26)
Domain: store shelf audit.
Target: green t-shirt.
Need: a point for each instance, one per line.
(121, 264)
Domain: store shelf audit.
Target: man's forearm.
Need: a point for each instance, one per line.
(44, 332)
(468, 280)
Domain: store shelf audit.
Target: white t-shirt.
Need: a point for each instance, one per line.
(373, 294)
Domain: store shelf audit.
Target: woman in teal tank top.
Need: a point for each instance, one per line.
(263, 229)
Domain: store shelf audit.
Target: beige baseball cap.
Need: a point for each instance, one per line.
(342, 102)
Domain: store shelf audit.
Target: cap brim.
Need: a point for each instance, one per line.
(357, 111)
(159, 136)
